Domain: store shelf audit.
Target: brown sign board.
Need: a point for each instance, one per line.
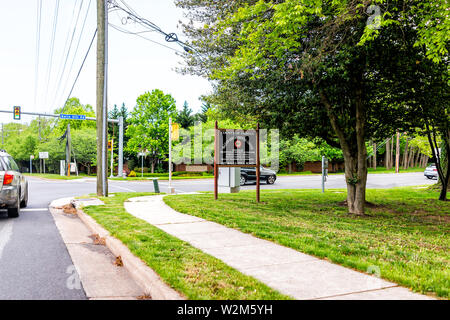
(237, 147)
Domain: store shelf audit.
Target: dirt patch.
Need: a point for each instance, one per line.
(69, 209)
(97, 240)
(118, 262)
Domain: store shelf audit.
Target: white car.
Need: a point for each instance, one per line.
(13, 186)
(431, 172)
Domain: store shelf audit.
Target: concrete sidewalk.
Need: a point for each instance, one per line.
(93, 265)
(290, 272)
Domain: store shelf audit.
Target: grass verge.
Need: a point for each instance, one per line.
(407, 233)
(57, 176)
(185, 268)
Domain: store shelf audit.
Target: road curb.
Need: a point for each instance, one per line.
(144, 276)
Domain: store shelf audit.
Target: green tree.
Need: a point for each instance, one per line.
(84, 147)
(148, 127)
(314, 67)
(202, 115)
(74, 106)
(185, 117)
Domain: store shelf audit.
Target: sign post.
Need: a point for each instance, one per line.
(142, 154)
(324, 172)
(43, 156)
(174, 129)
(111, 148)
(236, 149)
(31, 164)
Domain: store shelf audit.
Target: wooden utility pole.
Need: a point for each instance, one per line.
(397, 154)
(101, 98)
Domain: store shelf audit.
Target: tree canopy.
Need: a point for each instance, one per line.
(324, 69)
(148, 127)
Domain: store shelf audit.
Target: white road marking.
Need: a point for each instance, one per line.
(34, 209)
(5, 235)
(123, 188)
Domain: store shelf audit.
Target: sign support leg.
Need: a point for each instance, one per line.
(216, 160)
(258, 171)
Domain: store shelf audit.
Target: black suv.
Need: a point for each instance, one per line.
(249, 175)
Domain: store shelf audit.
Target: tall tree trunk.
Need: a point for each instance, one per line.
(416, 159)
(425, 163)
(405, 155)
(375, 156)
(290, 167)
(355, 155)
(391, 159)
(386, 156)
(411, 157)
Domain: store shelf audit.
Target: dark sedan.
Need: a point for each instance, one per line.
(249, 175)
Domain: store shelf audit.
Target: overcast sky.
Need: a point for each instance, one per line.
(135, 64)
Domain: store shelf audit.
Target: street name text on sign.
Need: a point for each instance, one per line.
(72, 117)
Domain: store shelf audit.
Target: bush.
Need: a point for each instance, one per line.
(132, 174)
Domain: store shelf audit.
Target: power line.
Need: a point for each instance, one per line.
(169, 37)
(76, 79)
(52, 45)
(141, 36)
(63, 67)
(78, 45)
(38, 46)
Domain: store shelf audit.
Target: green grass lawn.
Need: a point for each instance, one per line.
(57, 176)
(185, 268)
(384, 170)
(407, 234)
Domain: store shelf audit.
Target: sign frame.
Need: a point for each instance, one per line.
(217, 164)
(43, 155)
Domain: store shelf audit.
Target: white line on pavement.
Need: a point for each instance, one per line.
(123, 188)
(5, 235)
(34, 209)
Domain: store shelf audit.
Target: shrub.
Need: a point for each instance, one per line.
(132, 174)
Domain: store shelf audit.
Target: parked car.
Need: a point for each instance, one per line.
(431, 172)
(249, 175)
(13, 186)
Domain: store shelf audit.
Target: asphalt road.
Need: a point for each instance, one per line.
(34, 262)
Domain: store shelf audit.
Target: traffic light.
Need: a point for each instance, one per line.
(16, 113)
(109, 145)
